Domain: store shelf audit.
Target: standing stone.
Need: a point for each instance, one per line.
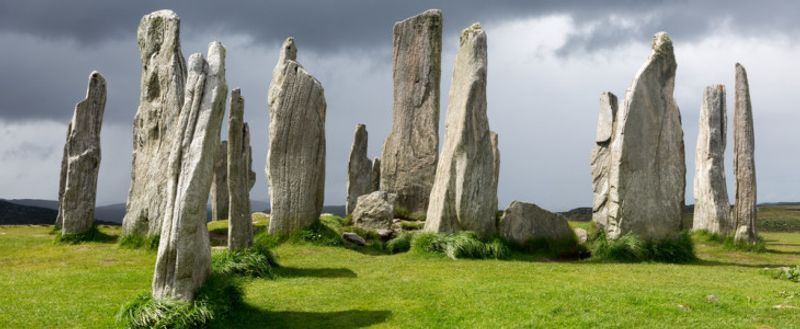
(744, 166)
(219, 185)
(408, 162)
(184, 256)
(82, 154)
(496, 157)
(359, 169)
(711, 207)
(464, 193)
(375, 177)
(240, 224)
(296, 156)
(601, 157)
(648, 172)
(63, 177)
(524, 223)
(156, 121)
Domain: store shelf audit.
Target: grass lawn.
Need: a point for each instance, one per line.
(46, 285)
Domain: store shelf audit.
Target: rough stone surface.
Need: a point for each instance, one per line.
(524, 222)
(375, 210)
(63, 176)
(354, 238)
(156, 121)
(184, 256)
(240, 223)
(219, 184)
(464, 193)
(496, 166)
(82, 154)
(375, 177)
(744, 166)
(359, 169)
(296, 156)
(647, 177)
(410, 153)
(386, 234)
(601, 157)
(711, 207)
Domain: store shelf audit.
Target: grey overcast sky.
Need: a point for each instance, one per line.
(548, 63)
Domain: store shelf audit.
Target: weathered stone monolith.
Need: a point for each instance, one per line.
(375, 177)
(82, 154)
(240, 224)
(744, 166)
(601, 157)
(464, 193)
(219, 185)
(296, 156)
(408, 162)
(359, 169)
(184, 256)
(711, 207)
(156, 121)
(648, 172)
(496, 158)
(63, 176)
(524, 223)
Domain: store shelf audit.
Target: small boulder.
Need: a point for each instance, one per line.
(354, 238)
(385, 234)
(375, 210)
(523, 222)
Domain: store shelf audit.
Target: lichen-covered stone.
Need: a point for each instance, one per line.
(601, 157)
(711, 207)
(219, 185)
(359, 169)
(523, 223)
(744, 166)
(375, 210)
(240, 224)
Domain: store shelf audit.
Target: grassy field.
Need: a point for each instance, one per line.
(47, 285)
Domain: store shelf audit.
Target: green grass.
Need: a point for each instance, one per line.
(730, 243)
(630, 248)
(138, 241)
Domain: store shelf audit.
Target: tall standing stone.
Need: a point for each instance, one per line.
(240, 224)
(408, 162)
(359, 169)
(496, 158)
(648, 172)
(184, 256)
(82, 154)
(711, 207)
(156, 121)
(464, 194)
(63, 176)
(744, 166)
(219, 185)
(375, 177)
(296, 156)
(601, 157)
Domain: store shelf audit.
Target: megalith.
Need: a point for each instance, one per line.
(711, 207)
(156, 121)
(62, 179)
(296, 155)
(496, 165)
(525, 223)
(359, 169)
(464, 193)
(601, 158)
(744, 166)
(375, 177)
(82, 156)
(240, 224)
(219, 185)
(409, 158)
(647, 177)
(184, 256)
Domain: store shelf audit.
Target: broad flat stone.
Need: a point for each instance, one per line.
(240, 223)
(359, 169)
(601, 158)
(744, 166)
(523, 223)
(711, 207)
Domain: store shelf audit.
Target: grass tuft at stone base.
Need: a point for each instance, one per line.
(728, 242)
(631, 248)
(139, 241)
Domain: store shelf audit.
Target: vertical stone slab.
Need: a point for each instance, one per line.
(184, 256)
(648, 169)
(240, 224)
(156, 121)
(359, 169)
(219, 185)
(744, 166)
(408, 162)
(82, 154)
(601, 158)
(63, 176)
(711, 207)
(296, 155)
(464, 194)
(496, 157)
(375, 177)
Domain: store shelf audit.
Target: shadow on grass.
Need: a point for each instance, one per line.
(294, 272)
(781, 252)
(719, 263)
(251, 317)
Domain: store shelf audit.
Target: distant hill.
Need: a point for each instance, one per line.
(582, 214)
(18, 214)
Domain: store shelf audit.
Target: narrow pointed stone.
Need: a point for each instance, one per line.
(82, 154)
(464, 193)
(156, 121)
(375, 177)
(240, 224)
(744, 166)
(63, 176)
(410, 153)
(359, 169)
(711, 207)
(601, 157)
(496, 157)
(219, 185)
(296, 156)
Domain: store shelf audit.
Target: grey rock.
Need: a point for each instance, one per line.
(711, 207)
(581, 234)
(183, 262)
(296, 156)
(156, 121)
(601, 158)
(410, 152)
(359, 169)
(744, 166)
(63, 176)
(648, 169)
(712, 298)
(219, 184)
(386, 234)
(495, 139)
(240, 223)
(354, 238)
(524, 222)
(82, 154)
(375, 210)
(375, 177)
(464, 194)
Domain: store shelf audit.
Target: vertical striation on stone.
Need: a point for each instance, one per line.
(375, 177)
(63, 176)
(296, 156)
(711, 207)
(496, 165)
(408, 162)
(219, 185)
(359, 169)
(240, 224)
(464, 192)
(184, 256)
(744, 166)
(160, 102)
(648, 170)
(601, 157)
(82, 155)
